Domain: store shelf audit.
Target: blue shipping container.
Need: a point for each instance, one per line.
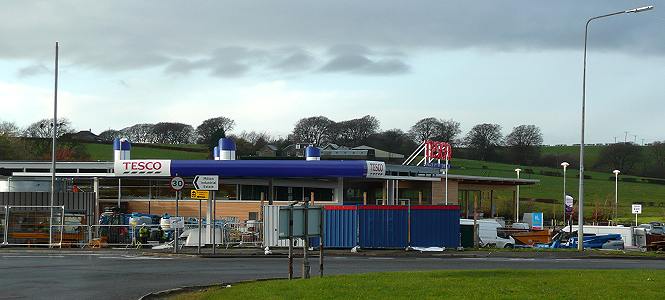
(341, 226)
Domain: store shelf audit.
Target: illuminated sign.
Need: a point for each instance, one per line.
(142, 167)
(375, 169)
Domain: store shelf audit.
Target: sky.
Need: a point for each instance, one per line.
(266, 64)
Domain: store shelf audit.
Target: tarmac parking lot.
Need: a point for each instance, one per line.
(120, 274)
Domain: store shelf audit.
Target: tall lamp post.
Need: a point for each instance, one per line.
(565, 166)
(580, 217)
(517, 198)
(616, 195)
(55, 130)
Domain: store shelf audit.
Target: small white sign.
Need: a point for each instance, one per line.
(177, 183)
(206, 182)
(569, 201)
(637, 209)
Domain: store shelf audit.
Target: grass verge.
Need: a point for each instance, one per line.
(494, 284)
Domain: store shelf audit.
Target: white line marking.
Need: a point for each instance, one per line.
(33, 256)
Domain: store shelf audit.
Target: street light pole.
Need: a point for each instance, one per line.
(517, 200)
(55, 129)
(580, 217)
(565, 166)
(616, 195)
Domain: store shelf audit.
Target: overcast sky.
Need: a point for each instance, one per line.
(267, 64)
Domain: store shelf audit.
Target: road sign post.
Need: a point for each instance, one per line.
(637, 209)
(177, 183)
(203, 184)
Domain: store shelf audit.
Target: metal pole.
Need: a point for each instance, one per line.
(475, 222)
(517, 200)
(580, 213)
(214, 229)
(446, 177)
(178, 194)
(564, 197)
(198, 246)
(616, 197)
(305, 256)
(290, 241)
(53, 144)
(321, 237)
(62, 225)
(6, 231)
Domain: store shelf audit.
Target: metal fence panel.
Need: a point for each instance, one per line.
(340, 226)
(435, 226)
(383, 226)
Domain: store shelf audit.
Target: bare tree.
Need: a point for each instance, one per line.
(110, 135)
(172, 133)
(9, 129)
(139, 133)
(448, 131)
(354, 132)
(483, 139)
(44, 128)
(315, 130)
(425, 129)
(524, 143)
(211, 126)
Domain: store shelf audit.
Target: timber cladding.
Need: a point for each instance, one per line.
(190, 208)
(74, 202)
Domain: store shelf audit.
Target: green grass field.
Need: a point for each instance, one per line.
(599, 190)
(104, 152)
(486, 284)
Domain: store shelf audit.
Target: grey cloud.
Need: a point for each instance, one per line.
(120, 35)
(295, 62)
(32, 70)
(356, 63)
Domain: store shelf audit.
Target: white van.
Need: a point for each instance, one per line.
(487, 232)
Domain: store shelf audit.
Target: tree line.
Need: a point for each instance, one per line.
(522, 145)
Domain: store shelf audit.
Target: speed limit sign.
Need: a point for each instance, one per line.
(177, 183)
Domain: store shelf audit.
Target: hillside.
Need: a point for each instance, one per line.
(599, 189)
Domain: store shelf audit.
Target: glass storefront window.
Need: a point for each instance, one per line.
(228, 192)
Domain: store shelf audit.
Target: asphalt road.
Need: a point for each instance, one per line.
(123, 275)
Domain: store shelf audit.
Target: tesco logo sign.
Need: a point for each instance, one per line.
(142, 165)
(142, 168)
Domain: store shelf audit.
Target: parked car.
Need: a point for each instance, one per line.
(488, 234)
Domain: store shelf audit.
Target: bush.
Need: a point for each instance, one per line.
(528, 171)
(629, 179)
(585, 176)
(551, 173)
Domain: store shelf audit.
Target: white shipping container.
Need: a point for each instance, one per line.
(625, 232)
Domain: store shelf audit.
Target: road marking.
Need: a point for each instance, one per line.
(128, 257)
(382, 258)
(32, 256)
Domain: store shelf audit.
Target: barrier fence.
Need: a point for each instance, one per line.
(33, 225)
(64, 234)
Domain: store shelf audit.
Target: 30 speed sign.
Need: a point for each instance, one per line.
(177, 183)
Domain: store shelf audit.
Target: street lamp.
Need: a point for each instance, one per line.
(580, 217)
(517, 198)
(564, 165)
(53, 148)
(616, 194)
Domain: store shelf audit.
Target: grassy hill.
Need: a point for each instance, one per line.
(599, 189)
(105, 152)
